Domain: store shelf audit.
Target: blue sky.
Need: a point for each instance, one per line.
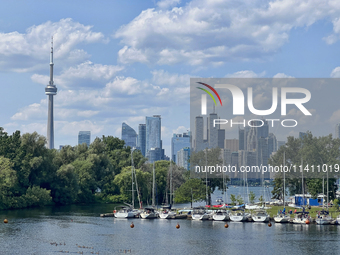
(119, 61)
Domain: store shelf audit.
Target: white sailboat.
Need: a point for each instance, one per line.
(221, 215)
(126, 212)
(129, 212)
(301, 218)
(149, 213)
(200, 213)
(260, 216)
(239, 215)
(282, 217)
(323, 217)
(167, 213)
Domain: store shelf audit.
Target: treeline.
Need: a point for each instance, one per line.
(32, 175)
(306, 154)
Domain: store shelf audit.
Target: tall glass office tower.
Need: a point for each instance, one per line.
(153, 132)
(129, 135)
(142, 138)
(84, 137)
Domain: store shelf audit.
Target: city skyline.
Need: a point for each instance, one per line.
(130, 64)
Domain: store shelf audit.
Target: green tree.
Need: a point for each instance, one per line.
(233, 199)
(239, 200)
(192, 190)
(65, 187)
(252, 197)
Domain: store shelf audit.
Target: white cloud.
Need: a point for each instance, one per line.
(83, 75)
(336, 72)
(180, 130)
(282, 75)
(22, 52)
(246, 74)
(164, 4)
(204, 31)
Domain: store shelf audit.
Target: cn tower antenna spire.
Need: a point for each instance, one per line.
(50, 90)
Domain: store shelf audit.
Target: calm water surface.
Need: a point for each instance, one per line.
(31, 231)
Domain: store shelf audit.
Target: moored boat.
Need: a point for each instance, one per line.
(260, 216)
(301, 218)
(149, 213)
(167, 213)
(221, 215)
(323, 218)
(126, 212)
(200, 213)
(239, 215)
(282, 217)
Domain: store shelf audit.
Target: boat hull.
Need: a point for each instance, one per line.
(282, 219)
(148, 215)
(221, 217)
(200, 217)
(260, 218)
(125, 214)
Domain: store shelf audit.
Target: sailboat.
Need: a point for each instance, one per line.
(282, 217)
(323, 217)
(239, 215)
(302, 217)
(129, 211)
(150, 212)
(260, 215)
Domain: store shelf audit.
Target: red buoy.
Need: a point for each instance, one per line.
(269, 224)
(178, 226)
(132, 225)
(226, 225)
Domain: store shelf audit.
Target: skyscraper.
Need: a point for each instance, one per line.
(153, 133)
(142, 138)
(129, 135)
(179, 141)
(50, 90)
(84, 137)
(198, 139)
(337, 131)
(183, 156)
(212, 132)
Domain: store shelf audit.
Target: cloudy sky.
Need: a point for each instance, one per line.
(119, 61)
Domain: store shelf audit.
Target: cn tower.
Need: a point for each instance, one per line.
(50, 90)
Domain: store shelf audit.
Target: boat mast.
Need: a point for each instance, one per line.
(284, 179)
(323, 192)
(327, 190)
(132, 191)
(153, 185)
(303, 192)
(170, 181)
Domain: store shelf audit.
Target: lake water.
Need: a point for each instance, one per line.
(31, 231)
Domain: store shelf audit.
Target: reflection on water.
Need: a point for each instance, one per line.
(78, 229)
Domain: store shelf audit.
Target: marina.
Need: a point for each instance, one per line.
(37, 231)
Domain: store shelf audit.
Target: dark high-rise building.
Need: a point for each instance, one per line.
(129, 135)
(241, 139)
(212, 132)
(142, 138)
(221, 137)
(84, 137)
(198, 139)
